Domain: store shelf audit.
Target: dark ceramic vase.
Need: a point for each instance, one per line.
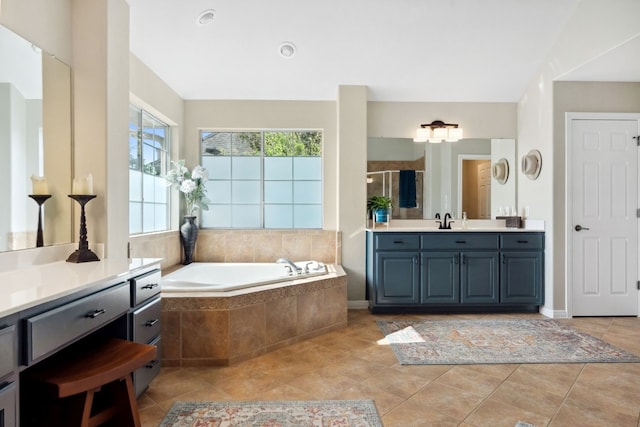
(188, 237)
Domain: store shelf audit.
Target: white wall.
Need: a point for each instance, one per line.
(150, 92)
(352, 184)
(234, 115)
(101, 98)
(568, 97)
(46, 23)
(595, 28)
(478, 119)
(503, 195)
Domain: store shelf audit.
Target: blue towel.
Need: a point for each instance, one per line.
(407, 189)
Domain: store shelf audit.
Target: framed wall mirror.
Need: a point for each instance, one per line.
(451, 177)
(35, 139)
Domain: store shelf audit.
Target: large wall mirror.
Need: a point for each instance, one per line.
(451, 177)
(35, 139)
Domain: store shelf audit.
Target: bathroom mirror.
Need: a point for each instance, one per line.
(35, 139)
(449, 177)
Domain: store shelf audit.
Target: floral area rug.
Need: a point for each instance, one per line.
(460, 342)
(318, 413)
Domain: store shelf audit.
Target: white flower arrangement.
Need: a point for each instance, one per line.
(191, 184)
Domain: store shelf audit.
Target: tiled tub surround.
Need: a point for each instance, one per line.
(165, 245)
(268, 245)
(221, 328)
(242, 246)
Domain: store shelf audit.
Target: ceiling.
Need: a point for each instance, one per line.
(403, 50)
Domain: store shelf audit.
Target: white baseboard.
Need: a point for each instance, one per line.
(357, 305)
(554, 314)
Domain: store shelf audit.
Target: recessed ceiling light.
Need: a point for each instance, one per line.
(287, 49)
(206, 17)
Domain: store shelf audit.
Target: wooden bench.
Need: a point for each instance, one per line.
(71, 384)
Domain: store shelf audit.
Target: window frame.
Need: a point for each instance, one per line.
(262, 205)
(143, 116)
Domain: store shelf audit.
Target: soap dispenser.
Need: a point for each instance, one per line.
(464, 220)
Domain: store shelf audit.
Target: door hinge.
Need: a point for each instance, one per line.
(639, 285)
(638, 213)
(637, 138)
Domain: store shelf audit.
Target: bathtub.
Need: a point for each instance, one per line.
(208, 326)
(221, 277)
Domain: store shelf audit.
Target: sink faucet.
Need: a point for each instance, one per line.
(446, 225)
(293, 269)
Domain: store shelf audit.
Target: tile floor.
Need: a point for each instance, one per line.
(349, 364)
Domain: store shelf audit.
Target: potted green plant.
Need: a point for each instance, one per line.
(379, 207)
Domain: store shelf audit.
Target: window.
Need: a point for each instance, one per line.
(148, 164)
(263, 179)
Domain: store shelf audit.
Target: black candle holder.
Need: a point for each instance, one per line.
(40, 199)
(83, 253)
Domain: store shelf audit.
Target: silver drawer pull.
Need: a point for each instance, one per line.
(151, 322)
(149, 286)
(152, 364)
(95, 313)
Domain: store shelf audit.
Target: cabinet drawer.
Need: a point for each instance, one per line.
(144, 287)
(8, 406)
(521, 241)
(396, 241)
(146, 322)
(8, 350)
(143, 376)
(458, 241)
(56, 328)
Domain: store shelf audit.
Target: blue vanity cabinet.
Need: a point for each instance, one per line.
(454, 271)
(8, 372)
(479, 277)
(145, 325)
(440, 277)
(522, 268)
(393, 274)
(459, 268)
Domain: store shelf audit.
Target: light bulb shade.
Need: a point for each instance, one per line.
(439, 135)
(422, 135)
(455, 134)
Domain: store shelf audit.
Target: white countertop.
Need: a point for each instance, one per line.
(28, 287)
(473, 225)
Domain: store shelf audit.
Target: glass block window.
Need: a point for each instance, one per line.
(263, 179)
(148, 164)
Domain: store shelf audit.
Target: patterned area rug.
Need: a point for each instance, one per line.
(318, 413)
(466, 342)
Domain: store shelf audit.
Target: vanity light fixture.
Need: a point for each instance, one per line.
(438, 131)
(206, 17)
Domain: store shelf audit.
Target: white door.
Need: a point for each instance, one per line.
(604, 230)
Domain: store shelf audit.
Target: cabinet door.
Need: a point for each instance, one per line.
(396, 277)
(479, 277)
(521, 277)
(8, 408)
(440, 278)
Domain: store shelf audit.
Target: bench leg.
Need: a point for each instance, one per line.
(124, 410)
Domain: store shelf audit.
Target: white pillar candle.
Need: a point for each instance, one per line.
(89, 184)
(82, 185)
(77, 187)
(39, 185)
